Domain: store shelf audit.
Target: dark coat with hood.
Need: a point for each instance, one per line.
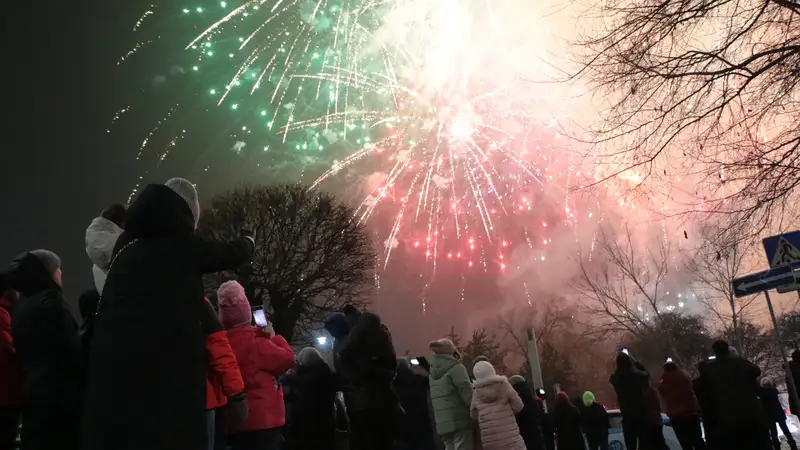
(311, 403)
(630, 380)
(794, 368)
(366, 361)
(771, 403)
(412, 389)
(48, 346)
(147, 380)
(528, 420)
(734, 388)
(567, 420)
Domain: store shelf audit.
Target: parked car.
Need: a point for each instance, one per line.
(616, 441)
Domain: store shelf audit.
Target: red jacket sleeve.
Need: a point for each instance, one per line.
(275, 355)
(222, 362)
(6, 341)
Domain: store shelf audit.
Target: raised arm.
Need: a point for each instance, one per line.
(274, 354)
(513, 399)
(217, 256)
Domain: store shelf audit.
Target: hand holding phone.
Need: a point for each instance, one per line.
(260, 318)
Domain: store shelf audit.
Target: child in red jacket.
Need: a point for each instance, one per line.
(262, 356)
(10, 376)
(224, 382)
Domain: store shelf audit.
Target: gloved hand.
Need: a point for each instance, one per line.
(238, 407)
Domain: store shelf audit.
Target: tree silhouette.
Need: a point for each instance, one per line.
(682, 337)
(311, 257)
(483, 343)
(702, 87)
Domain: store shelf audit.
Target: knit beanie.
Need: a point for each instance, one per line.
(588, 398)
(516, 379)
(234, 309)
(309, 356)
(481, 358)
(443, 347)
(483, 370)
(188, 192)
(49, 260)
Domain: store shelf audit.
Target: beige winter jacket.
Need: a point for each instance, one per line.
(494, 404)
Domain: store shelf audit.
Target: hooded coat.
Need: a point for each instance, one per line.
(678, 394)
(367, 363)
(147, 379)
(48, 346)
(528, 420)
(733, 387)
(567, 420)
(494, 405)
(101, 237)
(412, 392)
(630, 380)
(311, 424)
(770, 400)
(451, 394)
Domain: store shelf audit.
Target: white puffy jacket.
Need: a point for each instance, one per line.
(101, 236)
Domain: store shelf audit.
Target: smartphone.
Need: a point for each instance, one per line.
(415, 361)
(625, 350)
(712, 357)
(669, 360)
(260, 318)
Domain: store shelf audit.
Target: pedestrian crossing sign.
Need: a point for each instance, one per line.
(782, 250)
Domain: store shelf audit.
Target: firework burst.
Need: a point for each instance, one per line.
(432, 99)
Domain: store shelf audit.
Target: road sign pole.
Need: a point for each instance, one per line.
(779, 339)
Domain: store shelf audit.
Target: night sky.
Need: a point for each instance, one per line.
(60, 170)
(63, 168)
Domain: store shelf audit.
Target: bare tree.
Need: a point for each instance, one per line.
(567, 355)
(311, 257)
(623, 291)
(707, 88)
(713, 266)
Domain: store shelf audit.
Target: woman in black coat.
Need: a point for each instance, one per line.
(147, 378)
(528, 420)
(48, 346)
(567, 420)
(310, 403)
(412, 387)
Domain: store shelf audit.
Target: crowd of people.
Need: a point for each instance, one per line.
(727, 406)
(155, 364)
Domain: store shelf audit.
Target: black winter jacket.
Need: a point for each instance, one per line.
(48, 346)
(529, 420)
(367, 364)
(148, 359)
(311, 402)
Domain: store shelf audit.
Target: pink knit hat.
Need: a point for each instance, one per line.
(234, 309)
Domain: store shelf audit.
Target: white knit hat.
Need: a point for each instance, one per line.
(188, 192)
(309, 356)
(483, 370)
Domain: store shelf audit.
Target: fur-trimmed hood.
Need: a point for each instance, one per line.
(491, 388)
(101, 236)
